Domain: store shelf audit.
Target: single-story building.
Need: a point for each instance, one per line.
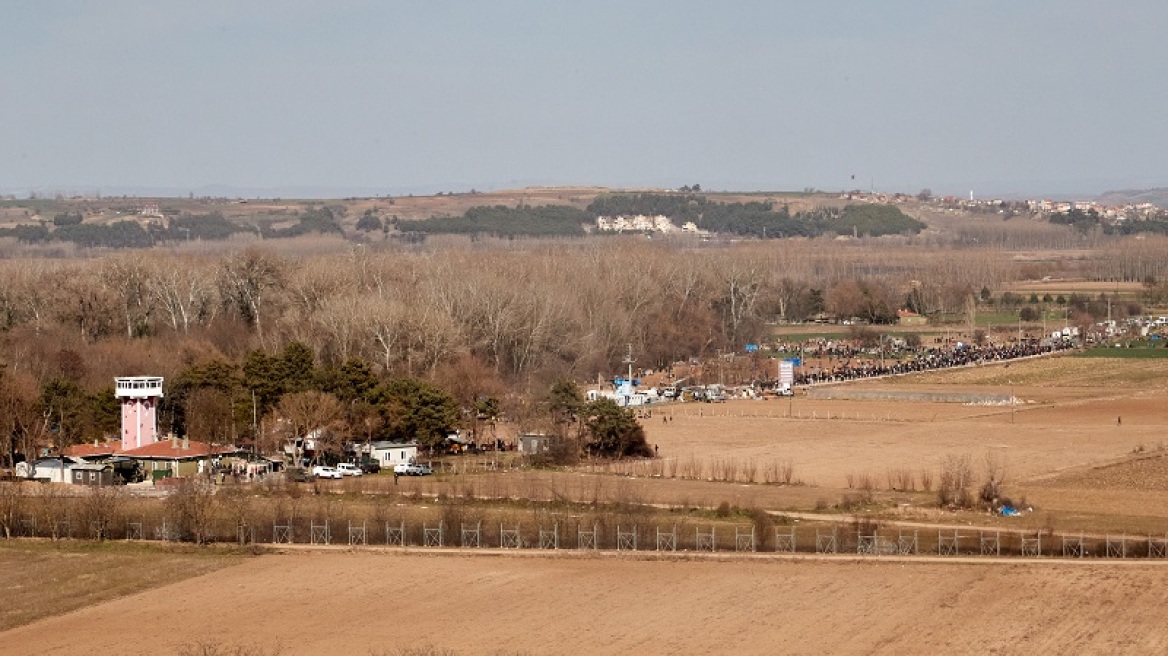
(92, 474)
(910, 318)
(55, 469)
(124, 469)
(387, 454)
(534, 443)
(177, 458)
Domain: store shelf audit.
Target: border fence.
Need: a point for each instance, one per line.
(811, 539)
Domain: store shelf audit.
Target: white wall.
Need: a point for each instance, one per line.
(395, 455)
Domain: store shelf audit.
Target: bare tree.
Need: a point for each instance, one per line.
(308, 412)
(956, 477)
(127, 278)
(995, 468)
(386, 321)
(247, 281)
(83, 303)
(12, 507)
(186, 294)
(191, 506)
(742, 287)
(101, 507)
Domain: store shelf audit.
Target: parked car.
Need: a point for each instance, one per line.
(412, 469)
(297, 475)
(370, 466)
(349, 469)
(320, 471)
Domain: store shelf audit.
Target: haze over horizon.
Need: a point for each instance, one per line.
(359, 97)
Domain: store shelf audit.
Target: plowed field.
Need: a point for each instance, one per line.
(345, 603)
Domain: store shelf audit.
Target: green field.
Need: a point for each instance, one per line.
(1140, 352)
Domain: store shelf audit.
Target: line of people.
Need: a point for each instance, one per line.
(926, 359)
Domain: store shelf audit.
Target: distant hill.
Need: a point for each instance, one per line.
(1157, 197)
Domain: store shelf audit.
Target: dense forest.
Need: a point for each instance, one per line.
(500, 221)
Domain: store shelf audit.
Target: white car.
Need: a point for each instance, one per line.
(320, 471)
(349, 469)
(412, 469)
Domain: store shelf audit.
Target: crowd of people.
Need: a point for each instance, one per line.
(837, 362)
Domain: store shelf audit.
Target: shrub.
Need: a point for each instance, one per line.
(927, 480)
(956, 476)
(191, 507)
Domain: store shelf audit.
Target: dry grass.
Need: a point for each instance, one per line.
(41, 579)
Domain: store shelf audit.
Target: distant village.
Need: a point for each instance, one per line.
(1036, 207)
(642, 223)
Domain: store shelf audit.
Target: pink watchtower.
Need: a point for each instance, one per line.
(139, 396)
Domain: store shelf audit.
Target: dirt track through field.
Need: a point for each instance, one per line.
(357, 603)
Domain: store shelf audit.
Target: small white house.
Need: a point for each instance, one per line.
(54, 470)
(388, 454)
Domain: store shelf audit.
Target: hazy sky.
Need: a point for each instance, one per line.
(1001, 96)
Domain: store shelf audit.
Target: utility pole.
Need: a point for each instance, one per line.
(629, 361)
(1013, 402)
(255, 434)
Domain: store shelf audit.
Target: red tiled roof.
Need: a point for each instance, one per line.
(90, 450)
(175, 451)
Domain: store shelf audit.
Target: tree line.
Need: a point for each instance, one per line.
(759, 219)
(752, 219)
(502, 221)
(1086, 221)
(70, 228)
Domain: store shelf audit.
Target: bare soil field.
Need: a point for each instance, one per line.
(826, 440)
(40, 579)
(1146, 473)
(1073, 414)
(373, 603)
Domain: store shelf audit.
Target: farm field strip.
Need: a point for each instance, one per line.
(613, 605)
